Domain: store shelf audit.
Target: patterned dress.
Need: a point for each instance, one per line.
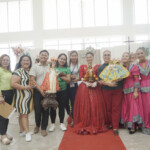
(132, 109)
(23, 99)
(145, 90)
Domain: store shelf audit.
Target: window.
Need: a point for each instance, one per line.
(5, 48)
(16, 16)
(50, 14)
(88, 13)
(141, 38)
(142, 11)
(75, 12)
(101, 13)
(83, 43)
(114, 12)
(60, 14)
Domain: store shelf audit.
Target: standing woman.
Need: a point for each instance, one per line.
(61, 96)
(6, 95)
(73, 85)
(89, 107)
(23, 96)
(132, 108)
(144, 67)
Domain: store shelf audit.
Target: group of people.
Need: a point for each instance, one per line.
(94, 106)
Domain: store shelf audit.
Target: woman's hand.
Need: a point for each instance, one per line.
(135, 94)
(111, 84)
(42, 92)
(2, 100)
(73, 77)
(28, 87)
(64, 78)
(89, 84)
(76, 79)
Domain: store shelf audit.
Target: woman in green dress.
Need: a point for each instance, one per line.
(23, 96)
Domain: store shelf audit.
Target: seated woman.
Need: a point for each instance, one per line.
(89, 108)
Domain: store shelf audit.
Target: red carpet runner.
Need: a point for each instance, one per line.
(102, 141)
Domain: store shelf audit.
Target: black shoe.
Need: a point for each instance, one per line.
(109, 127)
(132, 131)
(116, 132)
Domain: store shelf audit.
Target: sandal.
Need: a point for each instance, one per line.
(5, 141)
(71, 124)
(9, 137)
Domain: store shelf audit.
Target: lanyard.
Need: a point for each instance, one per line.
(73, 69)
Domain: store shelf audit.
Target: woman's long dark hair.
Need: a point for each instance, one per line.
(20, 60)
(70, 56)
(1, 58)
(57, 63)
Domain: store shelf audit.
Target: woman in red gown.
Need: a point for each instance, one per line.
(89, 108)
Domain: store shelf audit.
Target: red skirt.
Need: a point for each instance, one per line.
(89, 110)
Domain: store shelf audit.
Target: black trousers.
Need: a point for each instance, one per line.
(71, 97)
(8, 96)
(61, 97)
(41, 115)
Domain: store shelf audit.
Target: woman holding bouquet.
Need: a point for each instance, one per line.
(61, 96)
(89, 107)
(132, 107)
(112, 92)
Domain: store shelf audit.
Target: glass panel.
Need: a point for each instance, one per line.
(116, 40)
(13, 16)
(50, 14)
(88, 13)
(89, 42)
(101, 12)
(75, 8)
(102, 42)
(115, 12)
(140, 11)
(77, 44)
(26, 15)
(141, 38)
(149, 10)
(3, 17)
(65, 44)
(63, 14)
(51, 44)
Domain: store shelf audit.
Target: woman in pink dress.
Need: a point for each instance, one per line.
(144, 67)
(132, 109)
(89, 108)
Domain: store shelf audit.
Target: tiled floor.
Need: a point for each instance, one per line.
(138, 141)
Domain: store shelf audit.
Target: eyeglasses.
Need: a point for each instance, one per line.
(107, 55)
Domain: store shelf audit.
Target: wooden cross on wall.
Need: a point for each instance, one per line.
(128, 41)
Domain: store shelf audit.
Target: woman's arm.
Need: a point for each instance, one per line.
(66, 78)
(37, 86)
(15, 83)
